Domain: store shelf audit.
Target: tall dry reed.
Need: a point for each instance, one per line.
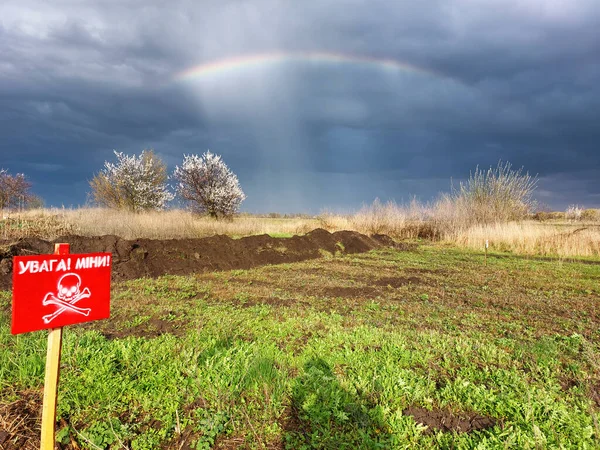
(410, 221)
(532, 238)
(169, 224)
(443, 220)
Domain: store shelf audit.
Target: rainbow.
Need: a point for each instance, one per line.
(256, 60)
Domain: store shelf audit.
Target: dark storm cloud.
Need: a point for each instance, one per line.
(516, 80)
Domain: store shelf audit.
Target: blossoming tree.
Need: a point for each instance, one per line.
(208, 185)
(135, 183)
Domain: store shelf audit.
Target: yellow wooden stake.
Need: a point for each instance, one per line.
(52, 373)
(51, 388)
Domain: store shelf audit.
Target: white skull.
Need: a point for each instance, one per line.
(68, 286)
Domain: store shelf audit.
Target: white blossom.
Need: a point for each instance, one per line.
(209, 185)
(574, 213)
(138, 181)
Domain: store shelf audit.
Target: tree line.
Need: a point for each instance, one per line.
(207, 186)
(141, 183)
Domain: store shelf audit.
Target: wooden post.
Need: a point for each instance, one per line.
(52, 373)
(487, 244)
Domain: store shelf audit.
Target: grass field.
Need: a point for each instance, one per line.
(337, 353)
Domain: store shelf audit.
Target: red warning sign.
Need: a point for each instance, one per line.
(51, 291)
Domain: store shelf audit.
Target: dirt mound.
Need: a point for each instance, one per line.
(151, 258)
(446, 421)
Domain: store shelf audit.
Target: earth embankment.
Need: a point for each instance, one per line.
(142, 258)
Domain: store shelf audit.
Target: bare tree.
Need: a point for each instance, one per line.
(208, 185)
(14, 191)
(135, 183)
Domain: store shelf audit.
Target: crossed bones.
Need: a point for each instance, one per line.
(51, 299)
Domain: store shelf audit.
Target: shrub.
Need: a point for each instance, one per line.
(134, 183)
(542, 216)
(574, 212)
(557, 215)
(591, 215)
(208, 185)
(500, 194)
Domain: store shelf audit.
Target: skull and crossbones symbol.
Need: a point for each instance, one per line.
(68, 293)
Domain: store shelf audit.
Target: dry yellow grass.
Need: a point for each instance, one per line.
(171, 224)
(533, 238)
(561, 239)
(400, 222)
(43, 225)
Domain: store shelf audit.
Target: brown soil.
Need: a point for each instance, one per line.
(20, 422)
(396, 282)
(446, 421)
(152, 258)
(291, 422)
(154, 327)
(595, 393)
(567, 383)
(183, 441)
(349, 292)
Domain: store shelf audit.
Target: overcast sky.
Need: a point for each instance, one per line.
(517, 80)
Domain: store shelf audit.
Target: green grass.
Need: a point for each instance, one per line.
(329, 353)
(281, 235)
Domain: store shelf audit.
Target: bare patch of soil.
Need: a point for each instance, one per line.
(199, 403)
(154, 327)
(239, 442)
(20, 422)
(595, 393)
(152, 258)
(291, 422)
(186, 439)
(567, 383)
(182, 441)
(230, 443)
(396, 282)
(447, 421)
(348, 292)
